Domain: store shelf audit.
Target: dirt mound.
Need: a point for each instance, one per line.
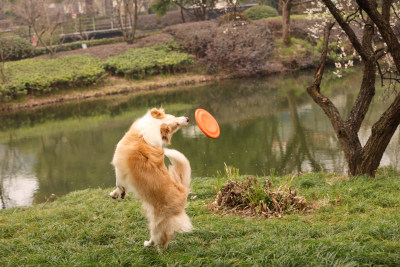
(251, 198)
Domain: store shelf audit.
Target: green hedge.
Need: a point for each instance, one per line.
(141, 62)
(78, 45)
(260, 12)
(15, 48)
(37, 76)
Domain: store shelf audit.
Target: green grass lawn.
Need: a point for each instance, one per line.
(355, 222)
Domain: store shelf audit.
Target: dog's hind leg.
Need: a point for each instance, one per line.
(164, 230)
(161, 234)
(119, 192)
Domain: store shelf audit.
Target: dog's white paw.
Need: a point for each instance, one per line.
(148, 243)
(117, 193)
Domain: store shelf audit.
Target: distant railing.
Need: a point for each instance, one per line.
(90, 27)
(80, 25)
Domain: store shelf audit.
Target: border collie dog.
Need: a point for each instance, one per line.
(140, 168)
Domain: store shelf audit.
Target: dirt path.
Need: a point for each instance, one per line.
(105, 51)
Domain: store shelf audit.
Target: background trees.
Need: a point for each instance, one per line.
(127, 13)
(198, 9)
(287, 6)
(379, 50)
(43, 19)
(3, 4)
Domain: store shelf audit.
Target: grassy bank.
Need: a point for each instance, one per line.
(354, 222)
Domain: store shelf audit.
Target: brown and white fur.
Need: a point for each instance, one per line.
(139, 168)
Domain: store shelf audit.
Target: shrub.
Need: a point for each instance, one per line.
(37, 76)
(140, 62)
(194, 37)
(260, 12)
(15, 48)
(239, 47)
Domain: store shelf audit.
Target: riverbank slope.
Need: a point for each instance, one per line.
(268, 59)
(353, 222)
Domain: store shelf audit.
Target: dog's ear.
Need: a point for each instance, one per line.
(166, 132)
(157, 113)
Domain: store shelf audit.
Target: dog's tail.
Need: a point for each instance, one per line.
(181, 223)
(180, 169)
(166, 229)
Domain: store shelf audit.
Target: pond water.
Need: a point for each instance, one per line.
(266, 124)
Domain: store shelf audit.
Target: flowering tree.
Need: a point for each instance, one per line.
(378, 48)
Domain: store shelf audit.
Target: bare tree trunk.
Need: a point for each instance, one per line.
(145, 5)
(89, 8)
(182, 14)
(382, 132)
(128, 20)
(135, 18)
(108, 4)
(40, 40)
(2, 67)
(362, 160)
(346, 131)
(286, 8)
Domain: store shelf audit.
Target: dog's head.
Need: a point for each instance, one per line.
(169, 124)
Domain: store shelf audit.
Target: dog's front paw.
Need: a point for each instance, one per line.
(148, 243)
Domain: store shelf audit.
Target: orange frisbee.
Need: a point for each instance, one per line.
(206, 122)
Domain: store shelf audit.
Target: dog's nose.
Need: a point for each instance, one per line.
(187, 119)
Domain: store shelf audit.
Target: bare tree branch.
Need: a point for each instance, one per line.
(346, 27)
(395, 12)
(320, 70)
(367, 89)
(386, 4)
(384, 28)
(314, 90)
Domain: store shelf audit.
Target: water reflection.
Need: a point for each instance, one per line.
(265, 124)
(18, 180)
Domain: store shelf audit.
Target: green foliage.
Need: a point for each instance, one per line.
(260, 12)
(161, 7)
(19, 48)
(348, 227)
(272, 3)
(37, 76)
(15, 48)
(299, 50)
(141, 62)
